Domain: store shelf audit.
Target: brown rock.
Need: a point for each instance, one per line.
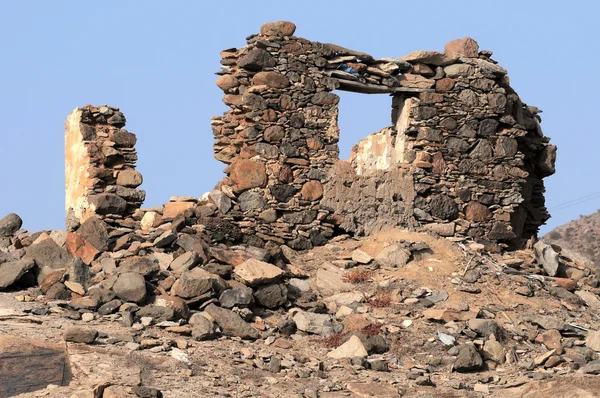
(465, 47)
(431, 57)
(477, 212)
(551, 339)
(51, 279)
(130, 178)
(415, 81)
(227, 82)
(247, 174)
(444, 84)
(30, 365)
(312, 190)
(270, 79)
(173, 209)
(279, 28)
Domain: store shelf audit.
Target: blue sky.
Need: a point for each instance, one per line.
(156, 61)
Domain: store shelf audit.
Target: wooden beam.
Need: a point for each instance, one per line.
(367, 88)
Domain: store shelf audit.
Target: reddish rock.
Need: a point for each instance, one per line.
(285, 174)
(279, 28)
(247, 174)
(227, 82)
(312, 190)
(51, 279)
(477, 212)
(444, 84)
(465, 47)
(77, 246)
(566, 283)
(270, 79)
(274, 133)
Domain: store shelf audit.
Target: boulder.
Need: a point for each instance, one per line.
(271, 296)
(130, 286)
(195, 283)
(10, 224)
(140, 265)
(329, 281)
(254, 272)
(231, 324)
(48, 254)
(236, 298)
(465, 47)
(80, 335)
(468, 359)
(12, 271)
(107, 203)
(256, 60)
(393, 256)
(547, 257)
(29, 365)
(279, 28)
(350, 349)
(311, 322)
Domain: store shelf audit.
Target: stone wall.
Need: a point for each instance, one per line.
(463, 155)
(100, 173)
(473, 150)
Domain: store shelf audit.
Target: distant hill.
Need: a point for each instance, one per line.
(581, 235)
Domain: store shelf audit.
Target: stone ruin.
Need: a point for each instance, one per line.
(463, 157)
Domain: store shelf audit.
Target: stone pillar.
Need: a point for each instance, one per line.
(100, 173)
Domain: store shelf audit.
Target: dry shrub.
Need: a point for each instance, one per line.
(381, 299)
(373, 329)
(357, 276)
(332, 341)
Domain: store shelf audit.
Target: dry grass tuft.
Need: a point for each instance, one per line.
(381, 299)
(357, 276)
(332, 341)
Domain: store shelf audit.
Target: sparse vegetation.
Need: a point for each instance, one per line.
(332, 341)
(357, 276)
(381, 299)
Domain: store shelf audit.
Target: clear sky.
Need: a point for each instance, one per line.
(156, 61)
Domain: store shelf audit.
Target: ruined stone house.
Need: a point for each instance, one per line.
(463, 156)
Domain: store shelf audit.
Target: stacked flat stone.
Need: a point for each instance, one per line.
(474, 152)
(110, 180)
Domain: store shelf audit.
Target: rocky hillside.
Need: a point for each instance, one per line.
(581, 235)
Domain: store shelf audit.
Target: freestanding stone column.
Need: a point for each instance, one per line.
(100, 173)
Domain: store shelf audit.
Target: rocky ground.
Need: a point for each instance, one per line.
(395, 314)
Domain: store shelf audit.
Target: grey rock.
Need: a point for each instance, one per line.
(195, 283)
(185, 262)
(443, 207)
(141, 265)
(468, 359)
(220, 200)
(271, 296)
(12, 271)
(80, 335)
(484, 327)
(10, 224)
(95, 231)
(311, 322)
(130, 286)
(110, 307)
(547, 257)
(231, 324)
(256, 60)
(250, 200)
(236, 298)
(108, 203)
(202, 327)
(48, 254)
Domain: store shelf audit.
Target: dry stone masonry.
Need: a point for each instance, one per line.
(464, 156)
(100, 161)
